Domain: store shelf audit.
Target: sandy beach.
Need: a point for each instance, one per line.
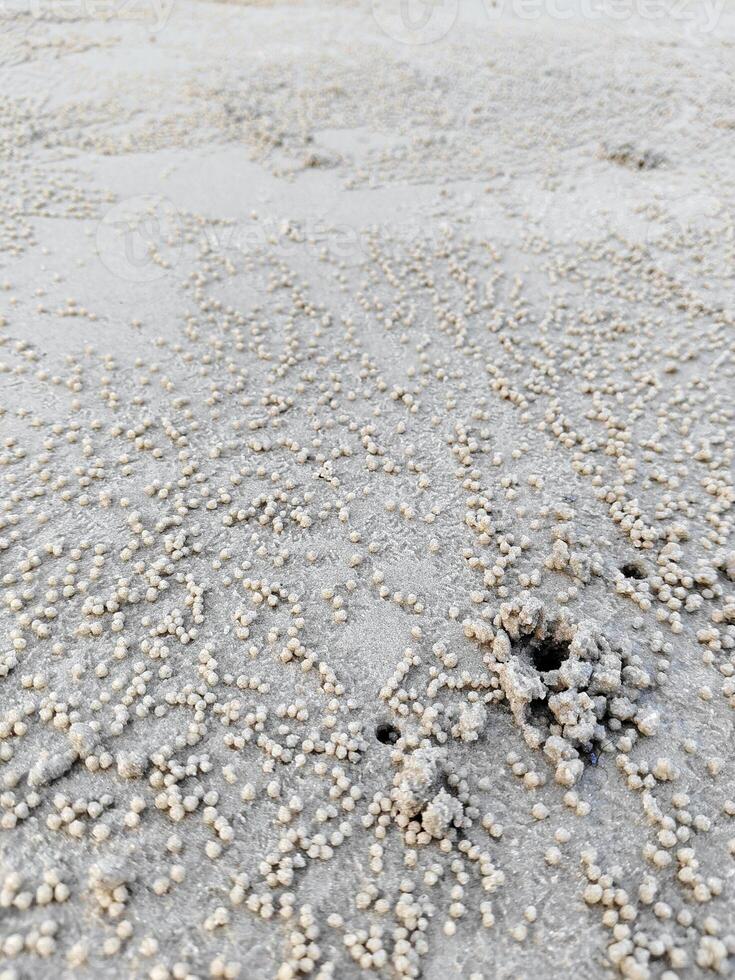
(366, 468)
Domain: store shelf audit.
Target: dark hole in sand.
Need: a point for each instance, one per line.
(540, 713)
(548, 655)
(386, 733)
(633, 569)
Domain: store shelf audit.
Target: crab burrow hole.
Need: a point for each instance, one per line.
(386, 733)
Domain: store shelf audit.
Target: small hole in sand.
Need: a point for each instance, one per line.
(548, 655)
(386, 733)
(540, 713)
(633, 569)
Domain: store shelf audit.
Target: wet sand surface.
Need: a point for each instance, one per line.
(366, 534)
